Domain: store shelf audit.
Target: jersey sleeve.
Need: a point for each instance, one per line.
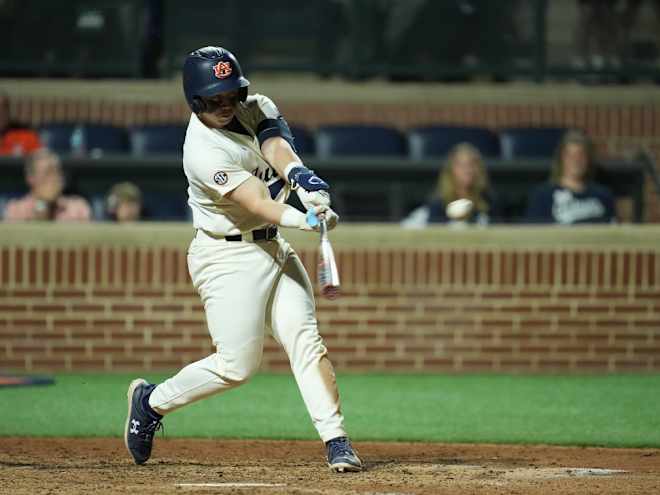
(220, 171)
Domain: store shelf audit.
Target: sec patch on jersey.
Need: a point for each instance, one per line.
(220, 178)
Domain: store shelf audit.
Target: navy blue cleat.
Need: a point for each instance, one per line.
(141, 424)
(341, 456)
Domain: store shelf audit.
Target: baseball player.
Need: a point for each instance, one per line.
(241, 165)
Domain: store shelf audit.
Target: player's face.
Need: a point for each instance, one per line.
(221, 108)
(574, 161)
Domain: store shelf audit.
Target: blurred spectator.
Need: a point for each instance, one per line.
(570, 196)
(15, 139)
(598, 35)
(463, 177)
(45, 201)
(124, 203)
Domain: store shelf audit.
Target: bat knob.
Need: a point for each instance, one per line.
(330, 292)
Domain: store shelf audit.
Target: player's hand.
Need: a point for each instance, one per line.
(331, 218)
(301, 176)
(312, 219)
(310, 199)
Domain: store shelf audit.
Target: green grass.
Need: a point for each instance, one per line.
(615, 410)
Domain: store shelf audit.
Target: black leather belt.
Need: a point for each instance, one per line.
(267, 234)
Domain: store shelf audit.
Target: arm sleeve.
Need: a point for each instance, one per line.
(266, 119)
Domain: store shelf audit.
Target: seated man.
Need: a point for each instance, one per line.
(45, 201)
(571, 197)
(15, 139)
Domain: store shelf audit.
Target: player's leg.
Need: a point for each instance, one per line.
(293, 324)
(234, 280)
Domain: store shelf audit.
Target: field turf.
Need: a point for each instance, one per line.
(614, 410)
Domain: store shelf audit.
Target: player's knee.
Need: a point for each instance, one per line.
(240, 365)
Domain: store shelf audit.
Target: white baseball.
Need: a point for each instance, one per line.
(459, 209)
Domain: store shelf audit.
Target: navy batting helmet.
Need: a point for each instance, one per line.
(209, 71)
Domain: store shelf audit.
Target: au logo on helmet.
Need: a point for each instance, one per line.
(222, 70)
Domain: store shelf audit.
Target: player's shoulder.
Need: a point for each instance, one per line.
(259, 102)
(257, 98)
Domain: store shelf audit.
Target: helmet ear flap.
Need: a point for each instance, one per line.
(242, 93)
(198, 104)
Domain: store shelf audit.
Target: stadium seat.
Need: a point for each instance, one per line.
(57, 136)
(97, 139)
(434, 141)
(157, 139)
(156, 206)
(303, 140)
(355, 140)
(530, 142)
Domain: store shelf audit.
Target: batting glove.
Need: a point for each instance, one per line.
(310, 199)
(300, 176)
(331, 218)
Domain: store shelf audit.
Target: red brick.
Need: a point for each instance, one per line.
(477, 365)
(68, 293)
(592, 364)
(49, 364)
(69, 323)
(125, 308)
(29, 293)
(399, 363)
(119, 293)
(555, 364)
(87, 307)
(49, 308)
(435, 362)
(166, 363)
(167, 307)
(361, 363)
(59, 349)
(13, 308)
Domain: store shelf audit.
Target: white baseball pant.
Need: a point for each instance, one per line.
(248, 287)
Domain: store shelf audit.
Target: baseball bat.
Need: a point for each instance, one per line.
(328, 274)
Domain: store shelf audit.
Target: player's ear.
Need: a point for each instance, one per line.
(199, 105)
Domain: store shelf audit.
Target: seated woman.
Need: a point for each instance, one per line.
(570, 196)
(463, 177)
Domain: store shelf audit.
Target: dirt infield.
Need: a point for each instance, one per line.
(77, 466)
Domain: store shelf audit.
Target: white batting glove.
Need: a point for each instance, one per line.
(331, 218)
(310, 199)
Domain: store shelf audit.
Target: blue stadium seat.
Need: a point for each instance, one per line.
(164, 206)
(355, 140)
(156, 206)
(57, 136)
(434, 141)
(530, 142)
(157, 139)
(98, 139)
(303, 140)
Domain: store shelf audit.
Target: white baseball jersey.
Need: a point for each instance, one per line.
(217, 161)
(248, 288)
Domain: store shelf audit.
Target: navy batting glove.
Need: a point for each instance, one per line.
(307, 179)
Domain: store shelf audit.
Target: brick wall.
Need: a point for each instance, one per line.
(618, 129)
(413, 309)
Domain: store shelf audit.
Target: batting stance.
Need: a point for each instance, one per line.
(241, 165)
